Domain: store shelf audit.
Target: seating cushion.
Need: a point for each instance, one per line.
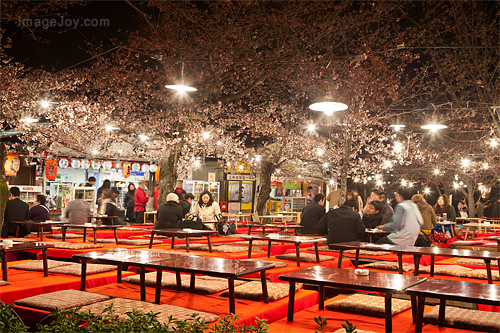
(138, 242)
(19, 239)
(368, 305)
(37, 265)
(464, 318)
(74, 246)
(125, 228)
(255, 243)
(203, 284)
(62, 299)
(4, 283)
(68, 236)
(172, 252)
(276, 263)
(253, 290)
(482, 274)
(390, 266)
(156, 236)
(453, 270)
(194, 247)
(121, 306)
(304, 257)
(468, 242)
(474, 262)
(369, 253)
(229, 248)
(76, 269)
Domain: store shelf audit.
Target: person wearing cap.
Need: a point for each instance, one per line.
(405, 223)
(427, 212)
(169, 213)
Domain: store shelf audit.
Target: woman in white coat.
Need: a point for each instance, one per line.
(207, 209)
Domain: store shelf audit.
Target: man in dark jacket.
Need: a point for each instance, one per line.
(373, 216)
(343, 224)
(15, 210)
(169, 213)
(311, 215)
(186, 203)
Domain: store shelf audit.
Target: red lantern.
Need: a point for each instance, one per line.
(51, 169)
(12, 164)
(127, 167)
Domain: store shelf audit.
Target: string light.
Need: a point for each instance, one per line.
(143, 137)
(427, 190)
(466, 162)
(311, 127)
(436, 171)
(493, 143)
(398, 147)
(404, 182)
(206, 135)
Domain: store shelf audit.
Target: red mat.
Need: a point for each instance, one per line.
(28, 283)
(246, 310)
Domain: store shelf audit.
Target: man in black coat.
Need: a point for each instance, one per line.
(343, 224)
(311, 215)
(169, 213)
(373, 216)
(15, 210)
(186, 203)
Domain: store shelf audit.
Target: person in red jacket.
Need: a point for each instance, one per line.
(140, 201)
(156, 195)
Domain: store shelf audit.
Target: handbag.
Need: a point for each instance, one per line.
(225, 228)
(191, 222)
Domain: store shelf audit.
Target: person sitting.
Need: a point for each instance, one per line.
(387, 212)
(405, 223)
(108, 207)
(77, 211)
(170, 213)
(15, 210)
(443, 207)
(207, 209)
(186, 203)
(343, 224)
(39, 212)
(312, 213)
(373, 216)
(427, 212)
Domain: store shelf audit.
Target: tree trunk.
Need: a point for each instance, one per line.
(266, 170)
(470, 197)
(4, 189)
(168, 171)
(345, 168)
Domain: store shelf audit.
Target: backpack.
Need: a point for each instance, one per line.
(224, 228)
(423, 240)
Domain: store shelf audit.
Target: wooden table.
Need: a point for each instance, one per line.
(417, 253)
(443, 223)
(150, 213)
(297, 240)
(282, 227)
(92, 226)
(273, 218)
(495, 238)
(453, 290)
(475, 226)
(371, 232)
(225, 268)
(100, 218)
(15, 246)
(122, 257)
(183, 232)
(40, 225)
(239, 217)
(296, 215)
(322, 276)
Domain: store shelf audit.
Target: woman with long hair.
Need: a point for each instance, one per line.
(443, 207)
(129, 204)
(108, 207)
(207, 209)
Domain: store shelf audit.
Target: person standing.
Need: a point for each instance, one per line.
(77, 211)
(15, 210)
(427, 212)
(156, 196)
(170, 213)
(90, 182)
(207, 209)
(39, 212)
(333, 199)
(312, 213)
(343, 224)
(140, 201)
(129, 204)
(178, 189)
(405, 223)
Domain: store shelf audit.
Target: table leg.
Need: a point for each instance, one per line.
(321, 297)
(420, 314)
(17, 232)
(413, 300)
(192, 286)
(95, 235)
(151, 239)
(250, 248)
(84, 274)
(4, 265)
(416, 262)
(400, 262)
(356, 261)
(209, 244)
(291, 301)
(143, 283)
(119, 274)
(45, 265)
(339, 265)
(263, 230)
(158, 286)
(297, 251)
(84, 234)
(388, 312)
(178, 280)
(269, 248)
(453, 230)
(265, 294)
(116, 236)
(63, 234)
(232, 298)
(187, 243)
(474, 232)
(432, 265)
(249, 229)
(173, 239)
(40, 231)
(466, 233)
(488, 270)
(442, 309)
(316, 250)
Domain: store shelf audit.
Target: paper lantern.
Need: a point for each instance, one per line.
(51, 169)
(12, 165)
(107, 165)
(126, 169)
(157, 174)
(145, 168)
(75, 164)
(96, 165)
(136, 167)
(63, 163)
(152, 168)
(85, 164)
